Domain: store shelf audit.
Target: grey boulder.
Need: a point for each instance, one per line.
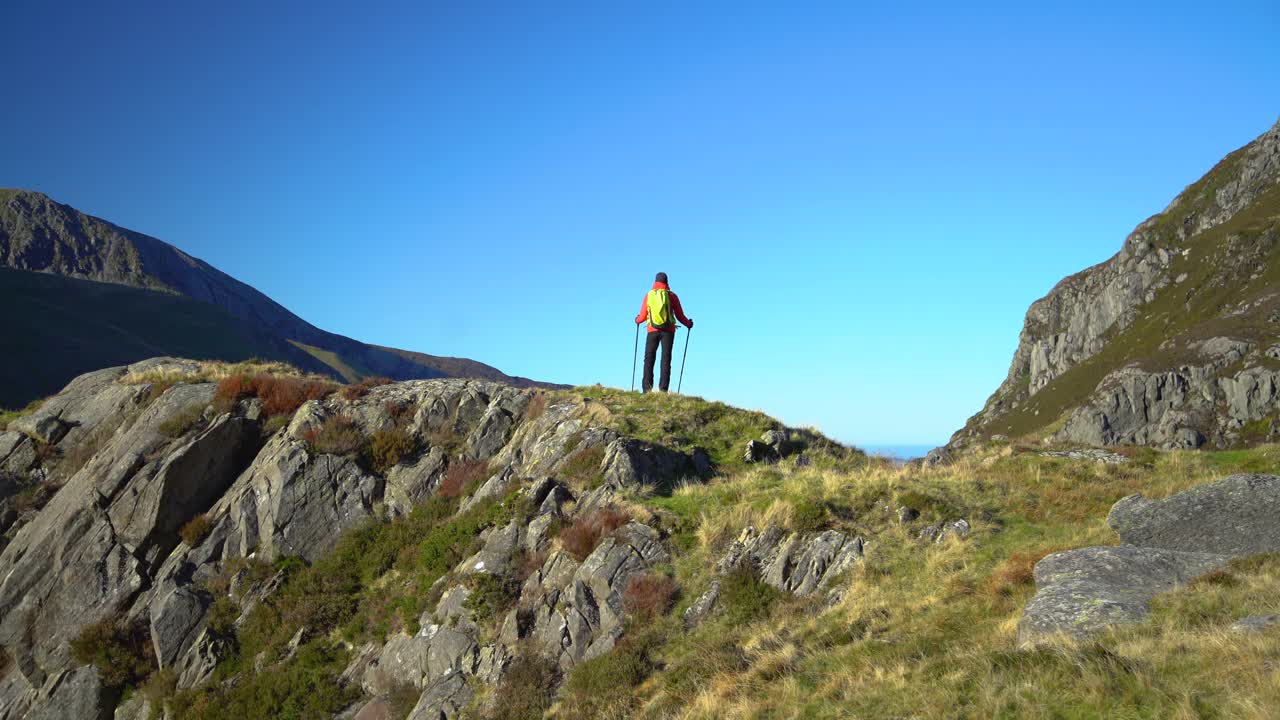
(1235, 516)
(1082, 591)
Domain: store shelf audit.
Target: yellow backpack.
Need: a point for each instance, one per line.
(659, 304)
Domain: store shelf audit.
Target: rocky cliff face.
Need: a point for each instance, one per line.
(41, 235)
(1170, 343)
(101, 486)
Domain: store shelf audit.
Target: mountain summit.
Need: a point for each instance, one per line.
(41, 235)
(1172, 342)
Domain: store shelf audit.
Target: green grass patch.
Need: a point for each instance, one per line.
(684, 422)
(185, 419)
(8, 416)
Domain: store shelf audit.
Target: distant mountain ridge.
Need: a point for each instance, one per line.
(1175, 341)
(41, 235)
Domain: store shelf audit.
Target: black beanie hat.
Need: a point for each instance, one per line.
(662, 278)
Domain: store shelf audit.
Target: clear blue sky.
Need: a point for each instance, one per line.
(856, 201)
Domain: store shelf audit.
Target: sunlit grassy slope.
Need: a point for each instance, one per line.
(928, 630)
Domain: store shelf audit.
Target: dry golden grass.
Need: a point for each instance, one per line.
(215, 370)
(929, 630)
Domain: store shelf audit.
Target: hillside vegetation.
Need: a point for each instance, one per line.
(463, 540)
(61, 327)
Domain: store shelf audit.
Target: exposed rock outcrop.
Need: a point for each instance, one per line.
(1184, 315)
(1166, 544)
(798, 563)
(141, 461)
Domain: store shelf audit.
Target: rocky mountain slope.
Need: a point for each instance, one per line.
(1170, 343)
(199, 540)
(41, 235)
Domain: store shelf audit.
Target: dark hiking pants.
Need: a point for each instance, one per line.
(651, 341)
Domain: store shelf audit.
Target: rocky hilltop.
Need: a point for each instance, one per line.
(1171, 343)
(207, 541)
(38, 234)
(150, 504)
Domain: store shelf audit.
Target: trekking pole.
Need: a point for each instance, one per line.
(634, 354)
(682, 359)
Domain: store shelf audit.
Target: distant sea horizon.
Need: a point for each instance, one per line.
(902, 452)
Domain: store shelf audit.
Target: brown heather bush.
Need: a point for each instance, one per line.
(160, 686)
(527, 689)
(362, 388)
(461, 476)
(1214, 578)
(387, 448)
(196, 530)
(585, 533)
(648, 596)
(527, 563)
(122, 653)
(399, 412)
(337, 435)
(280, 395)
(536, 407)
(402, 699)
(1015, 573)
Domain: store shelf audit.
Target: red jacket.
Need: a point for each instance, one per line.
(675, 308)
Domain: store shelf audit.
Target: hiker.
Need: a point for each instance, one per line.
(661, 308)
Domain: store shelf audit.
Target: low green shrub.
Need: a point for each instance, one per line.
(182, 421)
(809, 515)
(223, 614)
(275, 424)
(930, 506)
(491, 595)
(401, 700)
(603, 686)
(301, 688)
(159, 686)
(745, 596)
(582, 469)
(122, 653)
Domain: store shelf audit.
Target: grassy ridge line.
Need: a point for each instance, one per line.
(686, 422)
